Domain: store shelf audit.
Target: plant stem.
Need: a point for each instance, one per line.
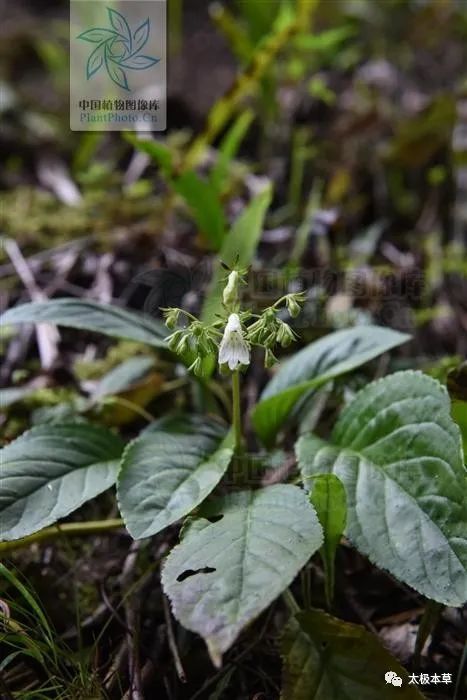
(290, 601)
(236, 414)
(92, 527)
(427, 624)
(139, 410)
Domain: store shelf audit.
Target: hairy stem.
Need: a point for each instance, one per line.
(92, 527)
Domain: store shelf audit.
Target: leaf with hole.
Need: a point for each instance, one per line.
(169, 470)
(50, 471)
(234, 560)
(328, 659)
(321, 361)
(398, 453)
(91, 316)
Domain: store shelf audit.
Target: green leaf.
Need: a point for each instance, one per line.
(205, 205)
(124, 375)
(328, 498)
(157, 151)
(51, 471)
(457, 382)
(239, 248)
(328, 659)
(459, 414)
(90, 316)
(231, 564)
(398, 453)
(325, 359)
(228, 149)
(169, 470)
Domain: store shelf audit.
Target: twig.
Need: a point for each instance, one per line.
(171, 640)
(131, 605)
(37, 259)
(111, 608)
(47, 335)
(92, 527)
(279, 474)
(5, 694)
(116, 668)
(235, 661)
(53, 174)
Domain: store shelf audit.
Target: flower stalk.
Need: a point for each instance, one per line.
(236, 412)
(231, 336)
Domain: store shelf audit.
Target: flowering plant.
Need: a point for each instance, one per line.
(241, 331)
(392, 465)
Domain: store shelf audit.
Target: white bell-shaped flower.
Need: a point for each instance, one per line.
(234, 350)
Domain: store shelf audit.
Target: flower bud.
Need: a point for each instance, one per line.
(183, 345)
(197, 367)
(269, 358)
(230, 293)
(171, 317)
(174, 339)
(293, 307)
(285, 334)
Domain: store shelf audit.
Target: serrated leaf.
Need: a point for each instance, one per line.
(139, 62)
(50, 471)
(325, 359)
(91, 316)
(398, 453)
(169, 470)
(227, 571)
(97, 35)
(328, 659)
(328, 499)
